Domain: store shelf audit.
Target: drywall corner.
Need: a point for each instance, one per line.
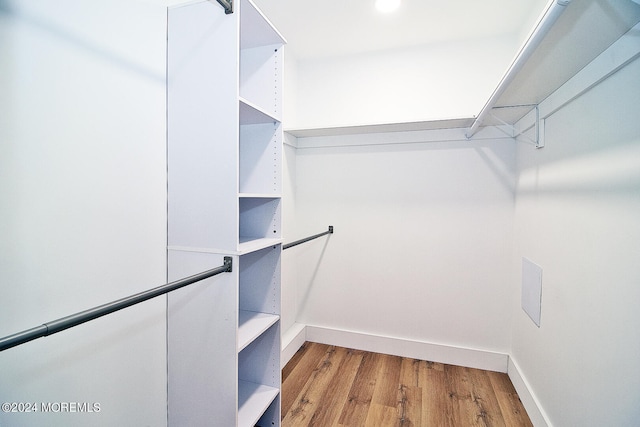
(527, 397)
(292, 340)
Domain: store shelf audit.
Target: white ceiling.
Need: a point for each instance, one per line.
(318, 29)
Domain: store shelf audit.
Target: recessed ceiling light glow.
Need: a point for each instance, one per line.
(386, 6)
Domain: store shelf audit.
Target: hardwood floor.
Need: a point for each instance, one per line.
(333, 386)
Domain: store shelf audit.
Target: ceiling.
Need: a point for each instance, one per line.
(320, 29)
(314, 30)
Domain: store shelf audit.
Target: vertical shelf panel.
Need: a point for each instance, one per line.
(201, 343)
(202, 126)
(202, 157)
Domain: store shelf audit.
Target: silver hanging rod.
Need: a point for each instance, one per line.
(227, 4)
(67, 322)
(306, 239)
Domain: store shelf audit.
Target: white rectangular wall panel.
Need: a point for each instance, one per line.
(201, 334)
(531, 298)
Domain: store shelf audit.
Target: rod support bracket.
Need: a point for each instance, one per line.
(227, 5)
(228, 262)
(513, 132)
(331, 229)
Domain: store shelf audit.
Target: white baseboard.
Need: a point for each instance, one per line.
(292, 340)
(527, 397)
(460, 356)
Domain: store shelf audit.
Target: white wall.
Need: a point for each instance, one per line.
(83, 206)
(440, 81)
(577, 215)
(422, 236)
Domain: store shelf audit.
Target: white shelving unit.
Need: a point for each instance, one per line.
(224, 80)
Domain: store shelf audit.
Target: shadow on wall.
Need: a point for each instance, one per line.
(304, 298)
(5, 7)
(503, 168)
(610, 173)
(102, 51)
(594, 163)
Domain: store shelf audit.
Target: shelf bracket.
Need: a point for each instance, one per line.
(538, 141)
(228, 262)
(227, 4)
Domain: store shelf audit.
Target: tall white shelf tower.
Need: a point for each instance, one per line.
(224, 90)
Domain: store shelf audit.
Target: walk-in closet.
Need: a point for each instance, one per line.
(290, 213)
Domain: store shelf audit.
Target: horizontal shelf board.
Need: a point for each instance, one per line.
(252, 244)
(253, 401)
(251, 114)
(251, 325)
(246, 245)
(382, 128)
(255, 28)
(259, 196)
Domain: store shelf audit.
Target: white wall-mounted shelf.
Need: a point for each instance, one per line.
(592, 25)
(450, 123)
(258, 196)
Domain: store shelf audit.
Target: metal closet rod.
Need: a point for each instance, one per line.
(306, 239)
(67, 322)
(551, 15)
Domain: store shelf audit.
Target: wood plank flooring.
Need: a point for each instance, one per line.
(328, 386)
